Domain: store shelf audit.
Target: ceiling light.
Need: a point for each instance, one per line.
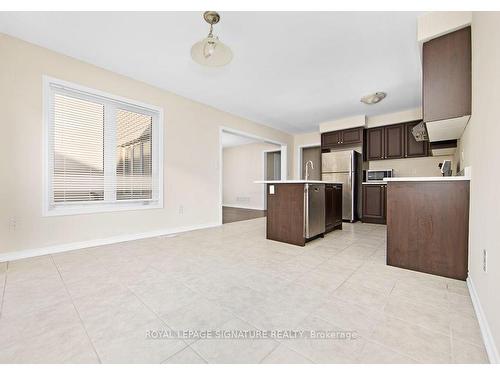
(211, 51)
(373, 98)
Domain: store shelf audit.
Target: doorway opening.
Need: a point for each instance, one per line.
(245, 159)
(309, 154)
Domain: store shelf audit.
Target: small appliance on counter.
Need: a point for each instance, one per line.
(378, 175)
(445, 168)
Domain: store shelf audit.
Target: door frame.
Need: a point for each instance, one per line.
(282, 147)
(298, 157)
(264, 170)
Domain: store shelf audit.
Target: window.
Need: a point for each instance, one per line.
(103, 153)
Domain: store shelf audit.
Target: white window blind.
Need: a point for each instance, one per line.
(103, 153)
(133, 168)
(78, 150)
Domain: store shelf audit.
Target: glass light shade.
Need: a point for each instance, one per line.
(211, 52)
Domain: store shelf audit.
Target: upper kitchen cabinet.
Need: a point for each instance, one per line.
(341, 138)
(352, 136)
(394, 141)
(414, 149)
(375, 143)
(447, 84)
(330, 139)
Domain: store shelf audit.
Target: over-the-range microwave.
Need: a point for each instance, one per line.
(378, 175)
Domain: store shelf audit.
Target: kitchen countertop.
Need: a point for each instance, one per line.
(451, 178)
(295, 182)
(375, 183)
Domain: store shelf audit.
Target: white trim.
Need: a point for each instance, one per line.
(264, 171)
(243, 206)
(284, 159)
(298, 157)
(488, 340)
(22, 254)
(118, 102)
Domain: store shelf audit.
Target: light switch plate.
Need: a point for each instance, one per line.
(271, 189)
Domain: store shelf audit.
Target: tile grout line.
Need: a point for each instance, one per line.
(197, 352)
(180, 350)
(76, 310)
(159, 318)
(4, 288)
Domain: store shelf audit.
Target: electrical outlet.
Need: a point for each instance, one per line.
(12, 224)
(181, 209)
(485, 260)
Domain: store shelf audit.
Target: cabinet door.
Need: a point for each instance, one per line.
(351, 136)
(337, 205)
(329, 214)
(446, 76)
(394, 142)
(330, 139)
(375, 143)
(374, 203)
(413, 148)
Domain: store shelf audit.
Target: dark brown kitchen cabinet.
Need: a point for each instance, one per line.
(330, 139)
(375, 143)
(333, 207)
(394, 141)
(428, 226)
(446, 74)
(351, 136)
(414, 149)
(340, 138)
(374, 203)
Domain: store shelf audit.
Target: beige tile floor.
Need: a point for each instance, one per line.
(97, 304)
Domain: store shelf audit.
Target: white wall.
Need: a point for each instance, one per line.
(242, 165)
(413, 167)
(480, 149)
(191, 159)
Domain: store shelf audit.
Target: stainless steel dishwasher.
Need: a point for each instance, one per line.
(314, 210)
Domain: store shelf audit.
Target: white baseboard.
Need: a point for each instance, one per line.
(488, 340)
(243, 206)
(22, 254)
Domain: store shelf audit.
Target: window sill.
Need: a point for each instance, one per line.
(99, 208)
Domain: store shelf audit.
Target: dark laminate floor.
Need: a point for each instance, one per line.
(231, 214)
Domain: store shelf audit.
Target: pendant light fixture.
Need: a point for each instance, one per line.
(211, 51)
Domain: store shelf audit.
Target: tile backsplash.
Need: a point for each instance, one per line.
(413, 167)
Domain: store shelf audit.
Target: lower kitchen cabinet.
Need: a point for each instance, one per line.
(428, 226)
(374, 203)
(333, 207)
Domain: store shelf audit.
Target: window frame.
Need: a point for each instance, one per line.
(111, 104)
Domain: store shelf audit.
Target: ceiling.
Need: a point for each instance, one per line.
(291, 70)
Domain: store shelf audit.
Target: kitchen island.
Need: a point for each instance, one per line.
(302, 210)
(428, 224)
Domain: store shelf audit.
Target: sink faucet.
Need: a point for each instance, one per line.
(311, 164)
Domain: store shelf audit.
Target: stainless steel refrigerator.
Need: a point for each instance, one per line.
(345, 167)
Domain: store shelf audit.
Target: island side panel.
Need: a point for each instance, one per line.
(427, 227)
(285, 213)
